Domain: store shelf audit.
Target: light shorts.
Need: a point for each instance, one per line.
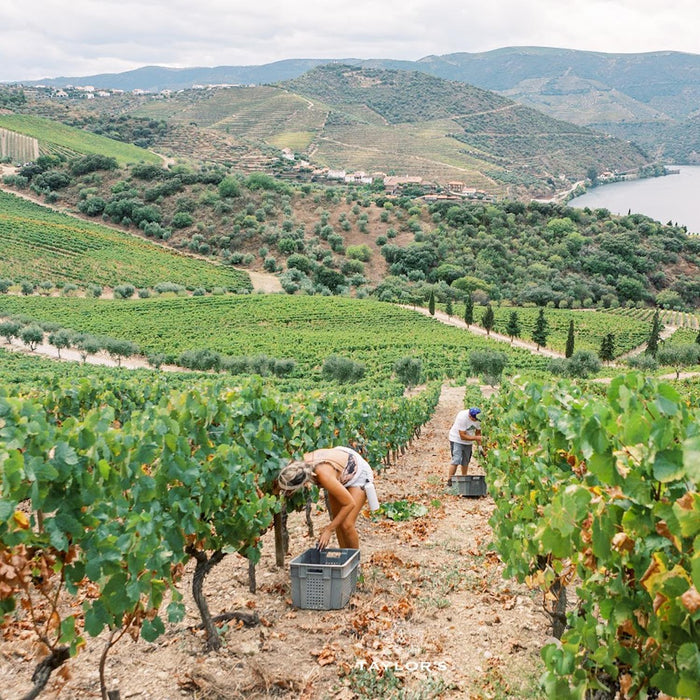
(363, 475)
(461, 453)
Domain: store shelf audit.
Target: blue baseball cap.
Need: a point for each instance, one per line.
(474, 412)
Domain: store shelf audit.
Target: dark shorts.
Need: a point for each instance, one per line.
(461, 454)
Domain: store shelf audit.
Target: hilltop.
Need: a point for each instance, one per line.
(475, 128)
(361, 119)
(649, 98)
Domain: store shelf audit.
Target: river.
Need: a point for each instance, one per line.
(669, 198)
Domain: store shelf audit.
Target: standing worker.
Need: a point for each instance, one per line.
(465, 431)
(349, 482)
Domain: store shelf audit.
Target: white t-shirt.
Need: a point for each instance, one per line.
(465, 423)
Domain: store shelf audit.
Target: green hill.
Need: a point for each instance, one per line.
(300, 327)
(57, 138)
(624, 94)
(39, 244)
(403, 122)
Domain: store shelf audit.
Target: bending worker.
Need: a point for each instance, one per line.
(344, 474)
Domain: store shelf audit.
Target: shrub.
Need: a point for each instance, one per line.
(644, 363)
(92, 162)
(580, 365)
(409, 370)
(235, 365)
(299, 262)
(163, 287)
(147, 171)
(182, 220)
(342, 369)
(359, 252)
(124, 291)
(201, 360)
(284, 367)
(92, 206)
(489, 364)
(261, 364)
(26, 287)
(156, 359)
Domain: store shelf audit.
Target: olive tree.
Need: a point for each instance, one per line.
(10, 329)
(61, 339)
(31, 335)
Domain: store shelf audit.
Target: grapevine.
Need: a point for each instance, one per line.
(601, 493)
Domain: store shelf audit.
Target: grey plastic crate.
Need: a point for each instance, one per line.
(324, 579)
(473, 485)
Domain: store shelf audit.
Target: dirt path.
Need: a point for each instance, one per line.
(70, 355)
(430, 604)
(665, 334)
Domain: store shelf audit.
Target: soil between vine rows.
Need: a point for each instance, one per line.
(430, 605)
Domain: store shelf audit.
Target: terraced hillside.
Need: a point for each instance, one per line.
(39, 244)
(56, 138)
(406, 123)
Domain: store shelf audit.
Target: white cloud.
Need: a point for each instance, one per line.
(45, 38)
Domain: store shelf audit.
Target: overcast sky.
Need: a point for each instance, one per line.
(51, 38)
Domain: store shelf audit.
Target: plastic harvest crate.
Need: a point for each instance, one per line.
(324, 579)
(469, 485)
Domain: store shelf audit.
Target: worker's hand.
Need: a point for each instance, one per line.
(324, 538)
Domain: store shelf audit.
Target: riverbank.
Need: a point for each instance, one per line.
(665, 199)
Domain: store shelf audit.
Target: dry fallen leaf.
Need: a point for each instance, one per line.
(691, 600)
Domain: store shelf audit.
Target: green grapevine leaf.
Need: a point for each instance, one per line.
(152, 629)
(691, 458)
(668, 465)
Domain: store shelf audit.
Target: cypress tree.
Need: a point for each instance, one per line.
(448, 307)
(469, 310)
(487, 320)
(431, 303)
(541, 330)
(607, 348)
(569, 351)
(654, 336)
(513, 326)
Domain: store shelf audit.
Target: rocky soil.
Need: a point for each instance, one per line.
(431, 614)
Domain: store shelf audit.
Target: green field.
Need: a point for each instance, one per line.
(684, 336)
(55, 137)
(39, 244)
(589, 327)
(307, 329)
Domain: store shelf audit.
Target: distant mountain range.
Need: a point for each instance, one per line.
(650, 98)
